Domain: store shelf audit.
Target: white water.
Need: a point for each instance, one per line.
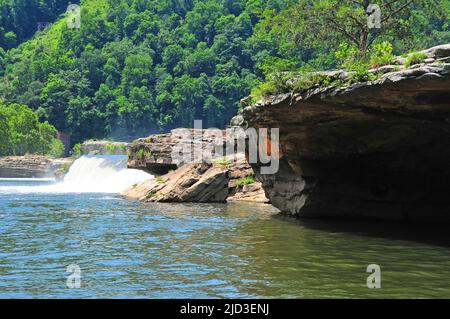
(88, 174)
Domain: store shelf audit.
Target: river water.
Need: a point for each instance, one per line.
(129, 249)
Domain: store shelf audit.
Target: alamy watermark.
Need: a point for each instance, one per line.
(73, 16)
(374, 279)
(374, 16)
(74, 279)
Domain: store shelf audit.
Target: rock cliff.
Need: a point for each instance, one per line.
(377, 149)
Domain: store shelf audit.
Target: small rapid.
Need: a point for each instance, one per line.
(88, 174)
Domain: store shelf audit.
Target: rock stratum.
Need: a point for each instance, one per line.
(184, 178)
(378, 149)
(32, 166)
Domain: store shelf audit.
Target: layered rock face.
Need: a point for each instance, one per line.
(378, 149)
(201, 182)
(193, 168)
(31, 166)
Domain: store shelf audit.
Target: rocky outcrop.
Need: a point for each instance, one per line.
(92, 147)
(377, 149)
(201, 182)
(155, 154)
(31, 166)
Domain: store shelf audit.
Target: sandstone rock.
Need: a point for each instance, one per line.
(186, 185)
(31, 166)
(377, 149)
(439, 51)
(238, 120)
(200, 182)
(92, 147)
(155, 154)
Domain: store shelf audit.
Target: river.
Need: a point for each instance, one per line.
(128, 249)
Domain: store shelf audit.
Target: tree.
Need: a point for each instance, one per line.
(21, 133)
(347, 20)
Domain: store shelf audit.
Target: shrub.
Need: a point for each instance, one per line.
(221, 161)
(275, 83)
(381, 54)
(415, 58)
(245, 181)
(159, 179)
(77, 149)
(110, 148)
(66, 166)
(360, 73)
(347, 55)
(57, 148)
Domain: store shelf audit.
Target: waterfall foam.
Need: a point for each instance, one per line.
(102, 174)
(91, 174)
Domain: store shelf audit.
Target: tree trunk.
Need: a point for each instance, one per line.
(363, 40)
(363, 37)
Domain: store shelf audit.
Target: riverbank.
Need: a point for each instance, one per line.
(32, 166)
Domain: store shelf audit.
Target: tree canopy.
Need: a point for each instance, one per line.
(137, 67)
(22, 133)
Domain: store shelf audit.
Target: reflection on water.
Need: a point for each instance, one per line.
(131, 249)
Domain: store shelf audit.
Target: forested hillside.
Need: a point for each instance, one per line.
(20, 19)
(142, 66)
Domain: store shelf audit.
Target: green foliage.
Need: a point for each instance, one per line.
(66, 167)
(381, 54)
(304, 37)
(221, 161)
(110, 148)
(77, 149)
(415, 58)
(143, 66)
(19, 19)
(159, 179)
(136, 67)
(347, 55)
(57, 148)
(245, 181)
(290, 82)
(360, 73)
(22, 133)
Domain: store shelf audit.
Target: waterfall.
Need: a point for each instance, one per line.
(88, 174)
(101, 174)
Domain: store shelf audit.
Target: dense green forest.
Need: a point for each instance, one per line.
(20, 19)
(142, 66)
